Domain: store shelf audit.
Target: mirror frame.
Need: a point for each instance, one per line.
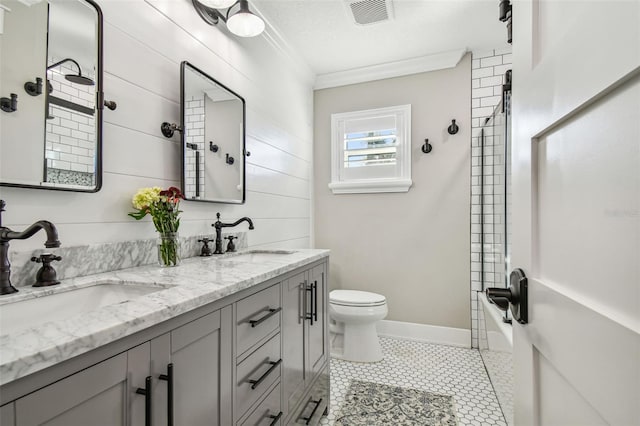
(183, 136)
(99, 110)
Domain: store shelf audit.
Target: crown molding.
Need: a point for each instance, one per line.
(274, 37)
(438, 61)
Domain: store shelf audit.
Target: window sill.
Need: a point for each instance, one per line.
(371, 186)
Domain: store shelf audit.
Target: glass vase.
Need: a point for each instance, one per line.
(169, 249)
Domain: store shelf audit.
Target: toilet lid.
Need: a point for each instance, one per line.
(356, 298)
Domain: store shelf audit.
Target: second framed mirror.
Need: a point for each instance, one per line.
(213, 139)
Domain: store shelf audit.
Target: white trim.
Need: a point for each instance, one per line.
(425, 333)
(438, 61)
(370, 186)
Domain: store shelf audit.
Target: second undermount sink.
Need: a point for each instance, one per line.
(31, 312)
(258, 256)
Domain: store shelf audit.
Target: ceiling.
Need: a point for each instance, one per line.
(325, 35)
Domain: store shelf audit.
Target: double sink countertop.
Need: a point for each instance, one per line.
(159, 295)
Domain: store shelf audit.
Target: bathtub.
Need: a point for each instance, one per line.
(496, 348)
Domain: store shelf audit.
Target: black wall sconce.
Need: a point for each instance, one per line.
(426, 147)
(33, 89)
(453, 128)
(9, 104)
(169, 128)
(241, 22)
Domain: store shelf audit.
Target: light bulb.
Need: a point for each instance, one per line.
(245, 24)
(218, 4)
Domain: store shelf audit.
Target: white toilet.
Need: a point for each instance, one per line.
(354, 315)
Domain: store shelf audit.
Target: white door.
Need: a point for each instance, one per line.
(576, 210)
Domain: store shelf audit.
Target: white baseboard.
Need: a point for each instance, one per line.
(425, 333)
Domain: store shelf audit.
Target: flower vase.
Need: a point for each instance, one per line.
(168, 249)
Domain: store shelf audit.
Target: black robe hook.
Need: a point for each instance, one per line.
(453, 129)
(427, 147)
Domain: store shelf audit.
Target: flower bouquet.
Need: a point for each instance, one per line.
(163, 206)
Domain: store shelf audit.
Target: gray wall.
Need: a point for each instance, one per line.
(412, 247)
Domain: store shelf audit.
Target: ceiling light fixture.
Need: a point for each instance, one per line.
(241, 22)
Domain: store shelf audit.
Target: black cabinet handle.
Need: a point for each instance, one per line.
(147, 400)
(274, 364)
(315, 303)
(275, 418)
(169, 379)
(309, 316)
(271, 313)
(308, 419)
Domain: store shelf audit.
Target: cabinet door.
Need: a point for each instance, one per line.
(96, 396)
(317, 338)
(200, 354)
(293, 351)
(7, 417)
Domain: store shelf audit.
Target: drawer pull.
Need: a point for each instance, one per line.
(275, 418)
(147, 400)
(315, 300)
(269, 314)
(274, 364)
(308, 419)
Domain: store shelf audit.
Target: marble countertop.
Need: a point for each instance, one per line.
(196, 282)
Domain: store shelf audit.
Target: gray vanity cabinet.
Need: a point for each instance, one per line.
(96, 396)
(193, 360)
(112, 392)
(304, 320)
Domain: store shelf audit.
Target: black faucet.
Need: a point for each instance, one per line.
(7, 235)
(219, 225)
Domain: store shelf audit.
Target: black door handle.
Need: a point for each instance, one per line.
(147, 400)
(169, 379)
(514, 296)
(315, 301)
(309, 316)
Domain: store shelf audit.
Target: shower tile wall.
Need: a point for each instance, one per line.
(70, 134)
(194, 116)
(488, 68)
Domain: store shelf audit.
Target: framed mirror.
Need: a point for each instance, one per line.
(213, 139)
(51, 58)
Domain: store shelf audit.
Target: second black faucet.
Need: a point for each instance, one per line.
(219, 225)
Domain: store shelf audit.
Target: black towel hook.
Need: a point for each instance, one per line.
(427, 147)
(453, 128)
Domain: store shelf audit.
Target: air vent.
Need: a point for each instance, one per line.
(366, 12)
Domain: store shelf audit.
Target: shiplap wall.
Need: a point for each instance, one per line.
(144, 43)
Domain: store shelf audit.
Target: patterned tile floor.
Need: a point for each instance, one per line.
(435, 368)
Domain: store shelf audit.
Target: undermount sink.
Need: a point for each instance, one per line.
(257, 256)
(34, 311)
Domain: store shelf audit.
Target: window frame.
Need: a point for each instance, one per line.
(400, 182)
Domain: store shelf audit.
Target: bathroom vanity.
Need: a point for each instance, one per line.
(238, 340)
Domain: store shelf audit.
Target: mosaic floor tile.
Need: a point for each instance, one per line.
(448, 370)
(369, 403)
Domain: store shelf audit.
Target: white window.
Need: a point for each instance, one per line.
(371, 150)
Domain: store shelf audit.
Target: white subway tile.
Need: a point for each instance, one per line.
(490, 61)
(479, 54)
(482, 72)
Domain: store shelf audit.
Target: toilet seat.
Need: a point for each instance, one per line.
(356, 298)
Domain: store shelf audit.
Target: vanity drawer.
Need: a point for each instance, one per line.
(257, 373)
(268, 413)
(256, 317)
